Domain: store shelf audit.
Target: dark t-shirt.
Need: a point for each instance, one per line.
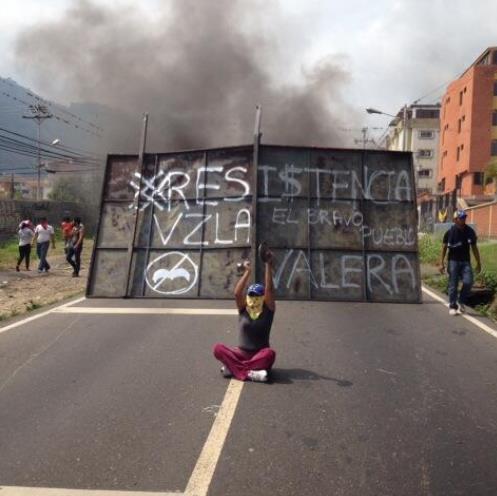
(254, 334)
(458, 240)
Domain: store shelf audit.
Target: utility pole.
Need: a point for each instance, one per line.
(365, 140)
(404, 124)
(39, 113)
(12, 187)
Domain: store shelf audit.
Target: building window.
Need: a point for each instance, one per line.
(478, 178)
(428, 113)
(425, 153)
(460, 98)
(463, 118)
(458, 153)
(494, 57)
(424, 173)
(495, 88)
(426, 134)
(494, 118)
(462, 147)
(459, 125)
(493, 148)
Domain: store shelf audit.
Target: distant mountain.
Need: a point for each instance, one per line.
(77, 127)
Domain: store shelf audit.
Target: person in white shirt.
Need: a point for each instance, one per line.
(44, 233)
(26, 235)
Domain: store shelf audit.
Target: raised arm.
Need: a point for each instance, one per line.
(241, 286)
(268, 283)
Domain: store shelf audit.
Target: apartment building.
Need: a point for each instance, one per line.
(468, 130)
(419, 132)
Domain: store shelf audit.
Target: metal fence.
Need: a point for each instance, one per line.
(341, 223)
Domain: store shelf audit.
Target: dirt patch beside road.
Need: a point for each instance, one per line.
(21, 292)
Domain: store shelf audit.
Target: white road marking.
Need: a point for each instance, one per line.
(201, 477)
(38, 315)
(202, 474)
(141, 311)
(471, 319)
(49, 491)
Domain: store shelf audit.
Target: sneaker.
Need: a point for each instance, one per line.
(258, 375)
(226, 372)
(462, 308)
(452, 311)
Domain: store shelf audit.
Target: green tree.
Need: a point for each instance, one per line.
(81, 188)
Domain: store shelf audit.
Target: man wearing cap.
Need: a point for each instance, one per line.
(457, 240)
(253, 358)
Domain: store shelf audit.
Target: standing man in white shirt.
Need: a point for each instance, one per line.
(44, 233)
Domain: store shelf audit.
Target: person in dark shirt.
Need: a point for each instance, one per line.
(457, 241)
(253, 358)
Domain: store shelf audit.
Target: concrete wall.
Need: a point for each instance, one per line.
(485, 218)
(13, 211)
(417, 144)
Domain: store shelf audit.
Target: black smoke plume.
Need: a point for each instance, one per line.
(199, 69)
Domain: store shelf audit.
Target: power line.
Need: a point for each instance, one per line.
(55, 148)
(53, 106)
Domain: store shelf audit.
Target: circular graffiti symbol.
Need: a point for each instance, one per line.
(169, 268)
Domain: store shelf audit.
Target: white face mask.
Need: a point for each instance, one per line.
(254, 306)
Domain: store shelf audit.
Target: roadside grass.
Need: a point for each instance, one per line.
(430, 248)
(31, 300)
(9, 251)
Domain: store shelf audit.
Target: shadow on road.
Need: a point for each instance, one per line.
(289, 376)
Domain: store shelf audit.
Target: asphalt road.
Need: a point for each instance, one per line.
(365, 399)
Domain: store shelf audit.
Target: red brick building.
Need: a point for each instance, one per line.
(468, 130)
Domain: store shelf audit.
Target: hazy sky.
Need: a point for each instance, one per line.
(394, 51)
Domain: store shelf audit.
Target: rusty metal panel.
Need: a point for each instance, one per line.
(342, 223)
(392, 277)
(219, 274)
(108, 274)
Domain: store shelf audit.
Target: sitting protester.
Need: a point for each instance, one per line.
(253, 358)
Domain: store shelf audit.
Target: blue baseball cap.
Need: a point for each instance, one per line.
(256, 290)
(460, 214)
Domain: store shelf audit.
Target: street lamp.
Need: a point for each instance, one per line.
(404, 122)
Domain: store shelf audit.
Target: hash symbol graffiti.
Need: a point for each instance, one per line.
(151, 191)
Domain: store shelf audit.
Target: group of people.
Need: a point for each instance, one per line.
(42, 235)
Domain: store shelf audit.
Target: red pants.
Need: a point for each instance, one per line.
(240, 362)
